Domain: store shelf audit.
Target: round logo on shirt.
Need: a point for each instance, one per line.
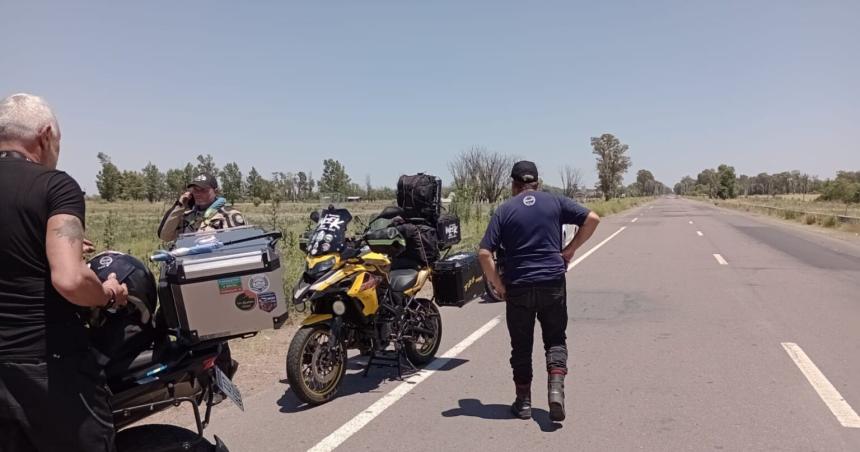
(529, 200)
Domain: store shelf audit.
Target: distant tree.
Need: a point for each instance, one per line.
(686, 186)
(726, 182)
(133, 186)
(256, 185)
(176, 182)
(481, 173)
(334, 178)
(612, 163)
(368, 189)
(707, 183)
(232, 185)
(205, 165)
(109, 179)
(645, 183)
(571, 181)
(154, 182)
(303, 188)
(845, 188)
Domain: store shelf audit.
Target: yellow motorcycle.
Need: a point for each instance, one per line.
(357, 302)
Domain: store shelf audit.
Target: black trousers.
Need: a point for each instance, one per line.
(58, 405)
(548, 303)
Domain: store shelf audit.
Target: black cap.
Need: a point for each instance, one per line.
(204, 181)
(524, 171)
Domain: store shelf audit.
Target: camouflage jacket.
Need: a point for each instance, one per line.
(178, 220)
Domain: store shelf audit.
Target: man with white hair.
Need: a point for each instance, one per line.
(52, 391)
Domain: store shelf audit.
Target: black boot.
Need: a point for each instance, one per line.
(522, 407)
(555, 396)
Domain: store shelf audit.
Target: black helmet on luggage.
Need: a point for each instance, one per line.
(121, 335)
(134, 274)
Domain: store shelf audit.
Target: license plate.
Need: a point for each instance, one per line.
(228, 388)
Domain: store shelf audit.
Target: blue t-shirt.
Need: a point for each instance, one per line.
(528, 227)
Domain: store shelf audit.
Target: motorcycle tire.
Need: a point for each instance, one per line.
(161, 438)
(492, 296)
(296, 360)
(426, 354)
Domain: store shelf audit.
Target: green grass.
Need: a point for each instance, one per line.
(810, 212)
(613, 206)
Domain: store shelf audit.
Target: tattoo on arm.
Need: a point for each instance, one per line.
(71, 230)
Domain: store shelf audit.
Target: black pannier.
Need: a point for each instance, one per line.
(448, 230)
(457, 280)
(420, 196)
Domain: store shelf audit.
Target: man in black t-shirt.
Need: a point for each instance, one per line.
(52, 392)
(528, 227)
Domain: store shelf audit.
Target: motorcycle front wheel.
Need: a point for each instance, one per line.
(315, 365)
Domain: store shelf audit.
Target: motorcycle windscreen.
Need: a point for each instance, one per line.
(330, 233)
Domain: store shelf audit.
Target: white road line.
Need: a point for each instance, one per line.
(691, 221)
(700, 233)
(720, 259)
(595, 248)
(831, 397)
(634, 220)
(355, 424)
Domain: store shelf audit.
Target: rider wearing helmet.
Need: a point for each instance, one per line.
(52, 393)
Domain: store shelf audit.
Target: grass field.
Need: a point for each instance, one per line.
(794, 208)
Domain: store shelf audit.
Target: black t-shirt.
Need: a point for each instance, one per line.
(528, 227)
(35, 321)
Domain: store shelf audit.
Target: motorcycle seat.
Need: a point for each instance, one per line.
(402, 280)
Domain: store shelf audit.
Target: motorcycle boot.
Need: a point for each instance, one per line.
(522, 406)
(555, 396)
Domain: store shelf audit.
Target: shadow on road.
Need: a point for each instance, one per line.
(354, 382)
(476, 408)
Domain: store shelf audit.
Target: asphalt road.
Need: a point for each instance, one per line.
(671, 348)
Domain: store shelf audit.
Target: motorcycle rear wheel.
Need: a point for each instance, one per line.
(161, 438)
(492, 295)
(315, 370)
(424, 351)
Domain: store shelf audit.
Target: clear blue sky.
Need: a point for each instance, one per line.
(391, 87)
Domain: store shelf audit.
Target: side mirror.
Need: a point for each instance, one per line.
(315, 216)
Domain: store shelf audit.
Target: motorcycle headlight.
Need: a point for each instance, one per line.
(321, 267)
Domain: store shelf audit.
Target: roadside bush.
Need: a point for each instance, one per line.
(829, 221)
(809, 219)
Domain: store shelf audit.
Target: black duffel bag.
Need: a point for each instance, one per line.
(420, 196)
(422, 246)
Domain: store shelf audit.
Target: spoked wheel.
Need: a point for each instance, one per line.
(492, 294)
(315, 366)
(422, 350)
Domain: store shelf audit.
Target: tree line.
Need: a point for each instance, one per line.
(724, 184)
(478, 175)
(152, 184)
(481, 175)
